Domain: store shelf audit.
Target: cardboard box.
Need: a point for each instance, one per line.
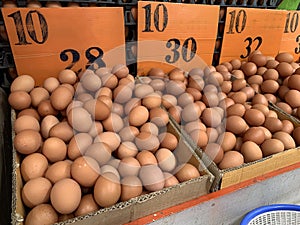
(228, 177)
(135, 208)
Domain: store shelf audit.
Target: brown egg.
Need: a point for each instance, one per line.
(62, 130)
(159, 117)
(284, 57)
(129, 166)
(194, 92)
(99, 151)
(127, 149)
(272, 64)
(269, 86)
(210, 99)
(112, 139)
(273, 124)
(61, 97)
(190, 112)
(157, 84)
(166, 159)
(19, 100)
(288, 126)
(282, 91)
(33, 165)
(146, 157)
(27, 141)
(212, 134)
(294, 82)
(113, 123)
(286, 139)
(238, 84)
(80, 119)
(200, 137)
(254, 134)
(236, 64)
(142, 90)
(251, 151)
(238, 144)
(249, 68)
(41, 214)
(37, 95)
(111, 167)
(170, 180)
(107, 190)
(45, 108)
(22, 83)
(131, 104)
(103, 71)
(85, 170)
(156, 72)
(272, 146)
(175, 87)
(131, 186)
(238, 74)
(176, 74)
(91, 82)
(185, 172)
(104, 91)
(258, 59)
(147, 141)
(284, 69)
(169, 101)
(211, 117)
(168, 140)
(36, 191)
(236, 110)
(65, 196)
(296, 135)
(285, 107)
(271, 74)
(54, 149)
(87, 205)
(138, 116)
(128, 133)
(47, 123)
(231, 159)
(58, 171)
(78, 145)
(109, 80)
(238, 97)
(120, 70)
(96, 129)
(259, 99)
(255, 79)
(151, 101)
(227, 140)
(122, 94)
(214, 152)
(67, 76)
(292, 97)
(29, 112)
(254, 117)
(26, 123)
(175, 113)
(150, 128)
(236, 124)
(152, 177)
(273, 114)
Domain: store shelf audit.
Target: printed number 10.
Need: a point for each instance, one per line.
(20, 29)
(156, 18)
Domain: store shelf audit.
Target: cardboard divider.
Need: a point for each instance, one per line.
(124, 212)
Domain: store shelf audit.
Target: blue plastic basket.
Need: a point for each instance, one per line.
(276, 214)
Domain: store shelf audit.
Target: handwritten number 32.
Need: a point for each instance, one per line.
(250, 42)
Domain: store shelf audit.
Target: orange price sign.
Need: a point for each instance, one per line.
(291, 36)
(47, 40)
(247, 30)
(175, 35)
